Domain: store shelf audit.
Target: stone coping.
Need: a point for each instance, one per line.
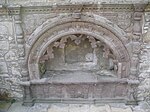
(22, 2)
(104, 80)
(43, 7)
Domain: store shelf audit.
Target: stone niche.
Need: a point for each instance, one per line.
(79, 68)
(76, 61)
(78, 58)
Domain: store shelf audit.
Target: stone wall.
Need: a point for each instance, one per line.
(18, 23)
(144, 75)
(144, 66)
(9, 62)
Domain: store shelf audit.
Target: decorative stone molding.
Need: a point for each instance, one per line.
(137, 29)
(137, 32)
(74, 28)
(94, 19)
(19, 36)
(91, 58)
(121, 33)
(85, 24)
(15, 9)
(33, 2)
(146, 22)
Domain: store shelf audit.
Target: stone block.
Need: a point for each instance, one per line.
(120, 91)
(97, 91)
(3, 68)
(60, 108)
(4, 76)
(4, 45)
(97, 108)
(15, 71)
(108, 91)
(10, 56)
(79, 108)
(6, 28)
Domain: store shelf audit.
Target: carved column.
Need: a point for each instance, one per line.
(137, 29)
(136, 41)
(19, 38)
(20, 43)
(136, 48)
(28, 101)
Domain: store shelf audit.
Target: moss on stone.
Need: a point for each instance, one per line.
(5, 105)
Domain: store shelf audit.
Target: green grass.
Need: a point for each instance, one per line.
(4, 105)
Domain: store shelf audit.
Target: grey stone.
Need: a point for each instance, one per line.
(4, 45)
(76, 50)
(3, 68)
(10, 56)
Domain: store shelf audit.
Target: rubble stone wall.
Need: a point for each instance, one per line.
(9, 62)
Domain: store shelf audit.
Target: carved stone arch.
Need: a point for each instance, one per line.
(93, 19)
(98, 27)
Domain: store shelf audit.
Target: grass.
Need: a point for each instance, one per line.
(4, 105)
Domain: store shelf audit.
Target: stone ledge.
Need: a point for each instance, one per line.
(33, 8)
(74, 1)
(47, 81)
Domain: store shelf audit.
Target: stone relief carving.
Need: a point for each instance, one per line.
(11, 56)
(124, 20)
(49, 54)
(81, 27)
(137, 30)
(18, 29)
(35, 20)
(67, 17)
(54, 39)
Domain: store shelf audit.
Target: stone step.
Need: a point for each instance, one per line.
(17, 107)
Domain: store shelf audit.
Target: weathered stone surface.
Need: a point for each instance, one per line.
(88, 108)
(74, 1)
(4, 45)
(41, 107)
(76, 49)
(11, 56)
(3, 68)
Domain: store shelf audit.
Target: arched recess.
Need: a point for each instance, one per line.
(94, 26)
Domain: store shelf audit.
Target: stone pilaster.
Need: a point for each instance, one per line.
(136, 40)
(20, 44)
